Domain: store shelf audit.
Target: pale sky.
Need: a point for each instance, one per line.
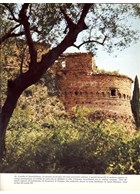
(127, 62)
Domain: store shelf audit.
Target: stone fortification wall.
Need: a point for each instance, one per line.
(80, 85)
(103, 92)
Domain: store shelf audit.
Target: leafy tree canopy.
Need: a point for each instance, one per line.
(110, 25)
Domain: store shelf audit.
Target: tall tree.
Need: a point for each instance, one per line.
(59, 25)
(135, 103)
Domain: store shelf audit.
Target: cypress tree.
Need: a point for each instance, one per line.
(135, 103)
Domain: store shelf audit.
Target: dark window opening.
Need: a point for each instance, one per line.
(124, 96)
(103, 94)
(76, 93)
(119, 95)
(113, 92)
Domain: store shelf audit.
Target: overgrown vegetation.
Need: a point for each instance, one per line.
(103, 71)
(43, 138)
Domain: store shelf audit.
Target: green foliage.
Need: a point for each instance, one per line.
(51, 82)
(102, 71)
(59, 143)
(126, 157)
(111, 20)
(135, 103)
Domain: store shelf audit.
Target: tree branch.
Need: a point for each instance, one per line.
(31, 76)
(10, 34)
(70, 23)
(90, 41)
(25, 22)
(86, 8)
(11, 12)
(68, 41)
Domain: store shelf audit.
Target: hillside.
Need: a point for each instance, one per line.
(43, 138)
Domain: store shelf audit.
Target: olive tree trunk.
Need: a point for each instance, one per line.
(36, 69)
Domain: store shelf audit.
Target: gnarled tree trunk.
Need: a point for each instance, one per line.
(5, 115)
(36, 69)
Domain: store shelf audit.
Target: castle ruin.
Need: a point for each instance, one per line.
(82, 85)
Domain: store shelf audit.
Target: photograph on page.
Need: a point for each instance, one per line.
(69, 95)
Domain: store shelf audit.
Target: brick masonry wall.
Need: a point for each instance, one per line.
(81, 85)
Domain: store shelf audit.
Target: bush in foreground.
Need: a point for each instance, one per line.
(64, 144)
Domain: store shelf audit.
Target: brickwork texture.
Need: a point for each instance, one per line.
(81, 85)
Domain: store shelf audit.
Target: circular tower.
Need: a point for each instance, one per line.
(81, 85)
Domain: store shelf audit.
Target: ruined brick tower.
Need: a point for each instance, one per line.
(81, 85)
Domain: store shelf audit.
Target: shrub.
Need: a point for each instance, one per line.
(71, 145)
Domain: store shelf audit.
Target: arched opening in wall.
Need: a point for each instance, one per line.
(76, 93)
(124, 96)
(119, 94)
(128, 97)
(103, 94)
